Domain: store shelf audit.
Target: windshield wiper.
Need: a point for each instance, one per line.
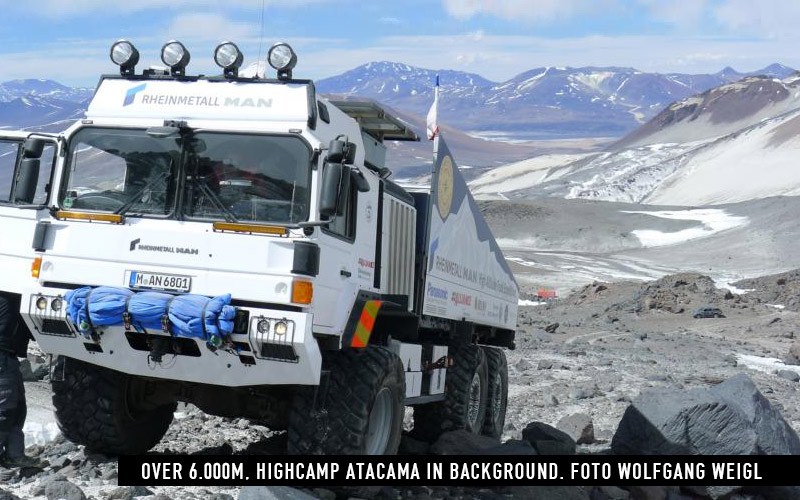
(133, 199)
(200, 183)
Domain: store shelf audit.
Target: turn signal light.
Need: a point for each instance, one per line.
(36, 266)
(302, 292)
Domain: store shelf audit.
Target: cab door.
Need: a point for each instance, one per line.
(347, 260)
(19, 217)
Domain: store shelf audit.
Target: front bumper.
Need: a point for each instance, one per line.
(259, 359)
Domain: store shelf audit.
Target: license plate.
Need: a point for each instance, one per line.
(159, 281)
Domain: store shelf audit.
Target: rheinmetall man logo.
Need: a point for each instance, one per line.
(130, 95)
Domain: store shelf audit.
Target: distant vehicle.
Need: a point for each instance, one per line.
(707, 312)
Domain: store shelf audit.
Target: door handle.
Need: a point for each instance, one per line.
(345, 273)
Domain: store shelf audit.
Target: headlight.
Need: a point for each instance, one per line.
(281, 328)
(125, 55)
(56, 304)
(228, 57)
(263, 326)
(282, 58)
(175, 55)
(41, 303)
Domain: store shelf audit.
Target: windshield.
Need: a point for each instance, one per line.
(235, 177)
(248, 178)
(116, 170)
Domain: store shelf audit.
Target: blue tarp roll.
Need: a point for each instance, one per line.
(188, 313)
(106, 306)
(147, 309)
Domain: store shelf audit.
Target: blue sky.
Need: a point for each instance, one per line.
(68, 40)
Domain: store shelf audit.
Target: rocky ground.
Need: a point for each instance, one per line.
(578, 365)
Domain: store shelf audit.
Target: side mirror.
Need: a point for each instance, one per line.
(341, 152)
(33, 147)
(27, 179)
(329, 196)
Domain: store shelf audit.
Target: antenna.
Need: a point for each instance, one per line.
(261, 40)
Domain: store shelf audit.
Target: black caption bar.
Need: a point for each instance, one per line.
(468, 471)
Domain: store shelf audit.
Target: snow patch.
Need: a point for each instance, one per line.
(760, 363)
(713, 221)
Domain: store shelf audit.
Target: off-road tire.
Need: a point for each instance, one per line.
(434, 419)
(498, 388)
(92, 409)
(338, 423)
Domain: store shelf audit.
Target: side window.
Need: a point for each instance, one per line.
(345, 225)
(8, 162)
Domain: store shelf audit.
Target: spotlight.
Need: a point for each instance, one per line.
(228, 57)
(175, 55)
(282, 58)
(125, 55)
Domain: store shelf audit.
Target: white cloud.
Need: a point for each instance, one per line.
(210, 27)
(767, 18)
(74, 8)
(685, 14)
(390, 20)
(531, 10)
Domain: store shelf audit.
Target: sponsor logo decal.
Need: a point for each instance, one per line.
(366, 263)
(206, 101)
(461, 298)
(136, 245)
(130, 95)
(436, 293)
(480, 305)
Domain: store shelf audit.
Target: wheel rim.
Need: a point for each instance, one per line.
(381, 420)
(497, 398)
(474, 408)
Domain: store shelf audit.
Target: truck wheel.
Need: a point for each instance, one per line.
(466, 386)
(498, 392)
(363, 407)
(98, 408)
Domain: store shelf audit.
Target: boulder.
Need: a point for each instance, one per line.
(462, 442)
(732, 418)
(790, 375)
(63, 490)
(547, 440)
(793, 357)
(579, 427)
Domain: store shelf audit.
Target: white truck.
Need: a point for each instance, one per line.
(340, 297)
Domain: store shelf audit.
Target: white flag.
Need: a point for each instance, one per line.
(433, 114)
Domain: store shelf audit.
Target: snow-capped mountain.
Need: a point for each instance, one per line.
(15, 89)
(540, 103)
(736, 142)
(43, 105)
